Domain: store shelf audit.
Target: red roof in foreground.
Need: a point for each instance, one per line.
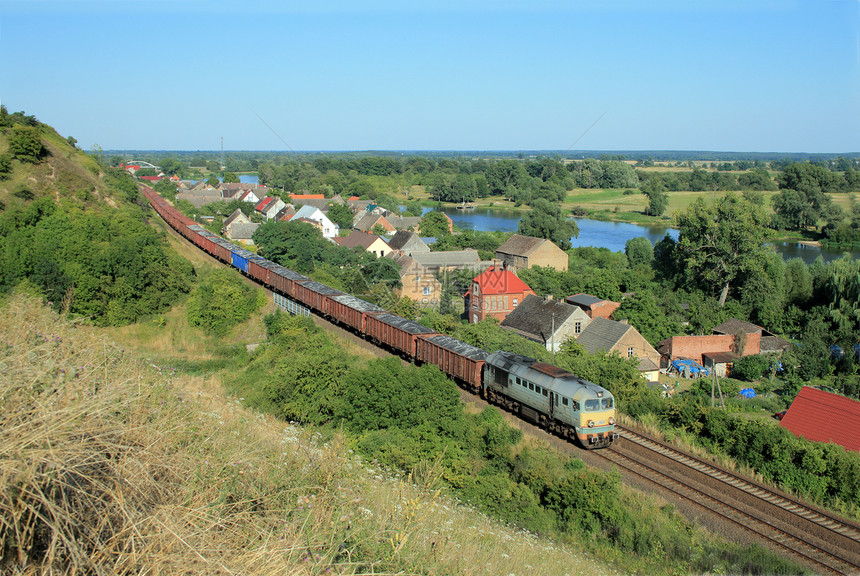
(500, 281)
(824, 417)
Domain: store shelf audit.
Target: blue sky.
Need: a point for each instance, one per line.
(753, 75)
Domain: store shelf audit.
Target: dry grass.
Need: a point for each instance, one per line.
(112, 465)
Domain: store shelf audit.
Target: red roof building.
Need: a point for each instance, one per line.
(824, 417)
(307, 196)
(495, 292)
(263, 204)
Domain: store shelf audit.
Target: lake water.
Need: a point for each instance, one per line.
(612, 235)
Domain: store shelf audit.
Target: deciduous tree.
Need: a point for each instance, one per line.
(546, 220)
(722, 242)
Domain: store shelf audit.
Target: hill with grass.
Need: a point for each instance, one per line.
(75, 229)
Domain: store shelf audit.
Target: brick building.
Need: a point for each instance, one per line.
(593, 306)
(495, 292)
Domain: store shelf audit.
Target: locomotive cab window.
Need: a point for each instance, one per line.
(564, 400)
(606, 403)
(592, 405)
(576, 405)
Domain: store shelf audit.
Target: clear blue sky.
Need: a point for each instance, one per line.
(735, 75)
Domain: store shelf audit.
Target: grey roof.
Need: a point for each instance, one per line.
(236, 215)
(200, 197)
(358, 238)
(357, 303)
(734, 326)
(404, 324)
(367, 221)
(448, 258)
(403, 222)
(408, 242)
(458, 347)
(534, 316)
(774, 344)
(583, 300)
(520, 245)
(602, 334)
(720, 357)
(321, 203)
(242, 230)
(647, 365)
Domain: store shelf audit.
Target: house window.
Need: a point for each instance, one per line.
(428, 290)
(516, 301)
(630, 352)
(577, 327)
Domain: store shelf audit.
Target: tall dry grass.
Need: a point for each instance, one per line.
(114, 465)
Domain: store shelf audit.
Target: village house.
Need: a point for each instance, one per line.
(417, 282)
(368, 242)
(594, 307)
(519, 252)
(409, 243)
(546, 321)
(269, 207)
(329, 229)
(449, 260)
(608, 336)
(248, 196)
(494, 292)
(199, 197)
(729, 341)
(369, 221)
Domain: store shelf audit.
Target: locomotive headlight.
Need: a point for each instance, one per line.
(612, 420)
(590, 423)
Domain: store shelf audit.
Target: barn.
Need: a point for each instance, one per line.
(824, 417)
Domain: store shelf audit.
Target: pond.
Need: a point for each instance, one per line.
(612, 235)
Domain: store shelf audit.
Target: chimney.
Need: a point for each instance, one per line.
(549, 297)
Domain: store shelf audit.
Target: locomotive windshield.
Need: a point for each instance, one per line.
(597, 404)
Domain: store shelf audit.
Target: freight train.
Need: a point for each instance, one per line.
(536, 391)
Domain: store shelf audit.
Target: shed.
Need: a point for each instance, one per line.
(824, 417)
(721, 362)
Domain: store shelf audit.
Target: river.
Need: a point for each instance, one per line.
(612, 235)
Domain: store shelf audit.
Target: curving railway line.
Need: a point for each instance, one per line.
(817, 538)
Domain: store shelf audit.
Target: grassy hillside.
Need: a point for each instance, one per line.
(111, 464)
(64, 172)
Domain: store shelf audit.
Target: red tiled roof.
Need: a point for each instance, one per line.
(307, 196)
(500, 281)
(263, 203)
(151, 178)
(824, 417)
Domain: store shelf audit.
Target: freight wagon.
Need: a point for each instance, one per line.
(395, 332)
(462, 362)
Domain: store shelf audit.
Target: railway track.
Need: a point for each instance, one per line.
(816, 537)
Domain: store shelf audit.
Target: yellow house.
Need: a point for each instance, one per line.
(520, 252)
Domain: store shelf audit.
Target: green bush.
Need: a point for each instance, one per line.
(751, 368)
(222, 301)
